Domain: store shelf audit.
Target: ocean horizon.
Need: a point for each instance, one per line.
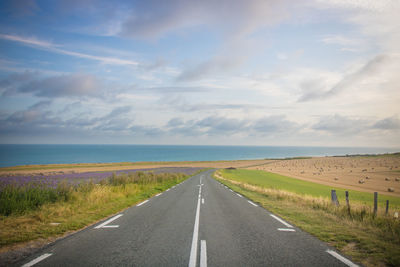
(37, 154)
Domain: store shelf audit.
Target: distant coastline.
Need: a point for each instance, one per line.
(17, 155)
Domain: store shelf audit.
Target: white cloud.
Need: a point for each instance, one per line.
(343, 41)
(368, 5)
(282, 56)
(376, 19)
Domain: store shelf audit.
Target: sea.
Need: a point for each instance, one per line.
(15, 155)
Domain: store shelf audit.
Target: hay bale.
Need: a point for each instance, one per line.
(387, 179)
(390, 189)
(397, 179)
(362, 181)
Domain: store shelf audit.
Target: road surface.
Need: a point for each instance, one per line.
(199, 222)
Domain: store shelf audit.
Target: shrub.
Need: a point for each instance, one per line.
(18, 199)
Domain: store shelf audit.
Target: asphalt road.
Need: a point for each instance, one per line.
(199, 222)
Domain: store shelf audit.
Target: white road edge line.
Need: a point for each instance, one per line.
(195, 240)
(252, 203)
(239, 195)
(280, 220)
(203, 254)
(286, 229)
(202, 201)
(108, 221)
(167, 190)
(159, 194)
(38, 259)
(140, 204)
(341, 258)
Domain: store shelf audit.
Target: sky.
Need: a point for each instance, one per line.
(211, 72)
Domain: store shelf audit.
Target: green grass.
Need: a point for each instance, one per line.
(81, 206)
(368, 239)
(276, 181)
(15, 199)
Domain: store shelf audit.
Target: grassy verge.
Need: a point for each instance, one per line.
(29, 219)
(373, 241)
(297, 186)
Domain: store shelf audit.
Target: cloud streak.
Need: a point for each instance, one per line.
(54, 48)
(378, 72)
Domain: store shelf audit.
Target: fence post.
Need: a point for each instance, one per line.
(387, 207)
(375, 203)
(347, 201)
(334, 198)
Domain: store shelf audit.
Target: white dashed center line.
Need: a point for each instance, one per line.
(203, 254)
(195, 239)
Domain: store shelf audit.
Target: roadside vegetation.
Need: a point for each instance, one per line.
(355, 231)
(301, 187)
(34, 211)
(78, 166)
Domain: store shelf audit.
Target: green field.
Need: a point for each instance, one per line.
(280, 182)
